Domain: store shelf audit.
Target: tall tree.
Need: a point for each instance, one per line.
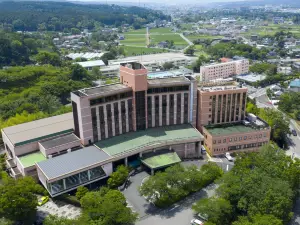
(217, 210)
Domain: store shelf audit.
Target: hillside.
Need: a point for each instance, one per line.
(62, 16)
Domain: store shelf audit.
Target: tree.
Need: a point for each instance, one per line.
(51, 58)
(78, 72)
(190, 50)
(18, 201)
(75, 31)
(262, 183)
(118, 177)
(168, 65)
(49, 104)
(96, 72)
(55, 220)
(81, 191)
(217, 210)
(106, 207)
(258, 220)
(165, 188)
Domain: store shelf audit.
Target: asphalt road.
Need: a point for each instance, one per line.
(178, 214)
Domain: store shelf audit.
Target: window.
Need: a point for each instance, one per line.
(219, 141)
(245, 138)
(260, 136)
(230, 140)
(240, 138)
(209, 109)
(214, 142)
(209, 116)
(235, 139)
(224, 140)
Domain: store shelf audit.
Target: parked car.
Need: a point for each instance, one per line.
(228, 156)
(294, 132)
(202, 216)
(43, 200)
(196, 222)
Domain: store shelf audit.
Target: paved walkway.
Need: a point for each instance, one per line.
(58, 208)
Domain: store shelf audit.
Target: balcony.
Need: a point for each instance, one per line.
(15, 173)
(10, 163)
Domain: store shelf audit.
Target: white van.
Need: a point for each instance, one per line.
(228, 156)
(196, 222)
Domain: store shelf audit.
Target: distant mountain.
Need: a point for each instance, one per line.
(260, 2)
(63, 16)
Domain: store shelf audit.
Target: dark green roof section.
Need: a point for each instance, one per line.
(226, 129)
(44, 137)
(161, 160)
(128, 142)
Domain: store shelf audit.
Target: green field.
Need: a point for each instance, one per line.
(131, 51)
(136, 40)
(202, 36)
(178, 41)
(272, 29)
(151, 31)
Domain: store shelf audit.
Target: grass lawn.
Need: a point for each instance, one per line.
(130, 50)
(202, 36)
(152, 31)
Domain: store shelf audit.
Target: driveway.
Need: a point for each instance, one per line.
(57, 208)
(179, 213)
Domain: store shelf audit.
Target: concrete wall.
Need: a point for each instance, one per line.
(56, 149)
(136, 79)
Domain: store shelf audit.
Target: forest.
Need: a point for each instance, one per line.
(63, 16)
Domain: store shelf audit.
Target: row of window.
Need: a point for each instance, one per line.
(238, 147)
(163, 105)
(168, 89)
(239, 138)
(111, 98)
(109, 121)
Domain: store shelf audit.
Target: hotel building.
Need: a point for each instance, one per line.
(224, 70)
(140, 121)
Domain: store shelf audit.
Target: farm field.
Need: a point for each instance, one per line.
(202, 36)
(135, 40)
(131, 51)
(152, 31)
(178, 41)
(272, 29)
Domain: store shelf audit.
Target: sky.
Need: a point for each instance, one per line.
(162, 1)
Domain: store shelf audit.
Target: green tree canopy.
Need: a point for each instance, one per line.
(18, 201)
(258, 220)
(106, 207)
(51, 58)
(217, 210)
(118, 177)
(165, 188)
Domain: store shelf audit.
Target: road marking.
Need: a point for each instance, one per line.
(176, 206)
(227, 167)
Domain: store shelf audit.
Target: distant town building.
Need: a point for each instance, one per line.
(89, 65)
(154, 62)
(295, 85)
(224, 70)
